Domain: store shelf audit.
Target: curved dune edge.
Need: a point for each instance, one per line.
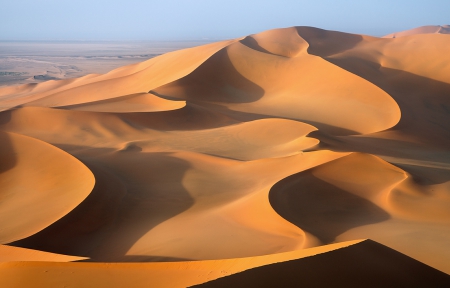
(280, 42)
(368, 196)
(140, 102)
(127, 80)
(40, 184)
(418, 80)
(237, 204)
(259, 79)
(168, 274)
(16, 254)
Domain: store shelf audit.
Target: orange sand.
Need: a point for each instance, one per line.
(274, 143)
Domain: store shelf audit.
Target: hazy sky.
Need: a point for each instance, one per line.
(199, 19)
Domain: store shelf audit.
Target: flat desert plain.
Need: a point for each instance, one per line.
(295, 157)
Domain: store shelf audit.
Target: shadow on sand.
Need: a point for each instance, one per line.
(321, 208)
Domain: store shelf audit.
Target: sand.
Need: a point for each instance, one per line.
(430, 29)
(208, 161)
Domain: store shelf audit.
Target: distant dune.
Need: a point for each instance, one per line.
(290, 144)
(444, 29)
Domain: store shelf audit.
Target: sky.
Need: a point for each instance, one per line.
(207, 19)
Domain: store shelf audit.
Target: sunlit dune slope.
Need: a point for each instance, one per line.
(278, 142)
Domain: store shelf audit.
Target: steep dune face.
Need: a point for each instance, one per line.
(273, 143)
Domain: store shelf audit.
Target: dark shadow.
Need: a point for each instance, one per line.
(251, 43)
(366, 264)
(215, 80)
(131, 147)
(327, 140)
(8, 157)
(122, 207)
(5, 117)
(320, 208)
(324, 42)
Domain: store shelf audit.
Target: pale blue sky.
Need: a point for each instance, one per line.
(199, 19)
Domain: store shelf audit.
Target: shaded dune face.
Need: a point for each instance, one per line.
(320, 208)
(266, 146)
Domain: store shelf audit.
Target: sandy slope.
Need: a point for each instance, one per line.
(277, 142)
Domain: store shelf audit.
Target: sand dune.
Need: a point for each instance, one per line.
(30, 199)
(269, 84)
(135, 78)
(445, 29)
(278, 142)
(328, 270)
